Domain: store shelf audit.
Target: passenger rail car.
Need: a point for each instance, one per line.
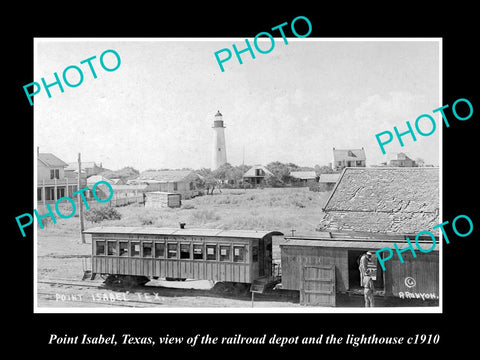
(134, 255)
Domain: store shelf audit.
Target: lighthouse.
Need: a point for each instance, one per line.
(219, 149)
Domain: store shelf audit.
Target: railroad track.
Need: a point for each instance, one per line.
(71, 293)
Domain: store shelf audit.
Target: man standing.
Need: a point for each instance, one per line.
(363, 265)
(368, 289)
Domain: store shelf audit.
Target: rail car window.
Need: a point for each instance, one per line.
(172, 251)
(184, 251)
(239, 254)
(100, 248)
(135, 249)
(147, 249)
(255, 253)
(211, 252)
(197, 251)
(123, 245)
(112, 248)
(224, 252)
(159, 250)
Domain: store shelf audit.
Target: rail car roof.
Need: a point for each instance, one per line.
(251, 234)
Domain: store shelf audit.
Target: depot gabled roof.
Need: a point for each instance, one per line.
(384, 200)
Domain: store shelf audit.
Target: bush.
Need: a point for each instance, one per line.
(97, 215)
(188, 206)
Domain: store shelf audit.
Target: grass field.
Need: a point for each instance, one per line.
(281, 209)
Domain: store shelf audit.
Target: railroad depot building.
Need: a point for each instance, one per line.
(369, 209)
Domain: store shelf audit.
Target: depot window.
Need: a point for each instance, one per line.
(184, 251)
(211, 252)
(159, 250)
(238, 254)
(147, 249)
(224, 252)
(135, 249)
(100, 248)
(112, 248)
(123, 248)
(172, 251)
(197, 251)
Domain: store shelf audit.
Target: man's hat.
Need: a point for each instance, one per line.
(369, 253)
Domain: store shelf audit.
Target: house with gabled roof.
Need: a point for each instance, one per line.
(370, 209)
(52, 182)
(256, 174)
(343, 158)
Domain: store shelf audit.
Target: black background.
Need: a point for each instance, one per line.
(455, 24)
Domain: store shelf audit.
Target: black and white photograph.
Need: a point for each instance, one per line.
(257, 188)
(240, 179)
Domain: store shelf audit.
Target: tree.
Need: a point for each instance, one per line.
(272, 181)
(323, 169)
(125, 173)
(420, 162)
(280, 170)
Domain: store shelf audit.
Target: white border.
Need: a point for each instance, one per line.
(235, 310)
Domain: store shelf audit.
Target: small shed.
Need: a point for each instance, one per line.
(161, 199)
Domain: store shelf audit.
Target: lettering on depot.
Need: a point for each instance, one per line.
(63, 216)
(37, 87)
(410, 248)
(255, 42)
(399, 135)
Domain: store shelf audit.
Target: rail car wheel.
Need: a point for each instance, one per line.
(126, 280)
(219, 288)
(241, 288)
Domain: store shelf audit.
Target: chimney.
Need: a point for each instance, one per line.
(182, 225)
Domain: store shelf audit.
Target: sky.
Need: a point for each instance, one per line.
(293, 104)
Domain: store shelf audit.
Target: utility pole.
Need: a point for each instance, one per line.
(80, 204)
(243, 180)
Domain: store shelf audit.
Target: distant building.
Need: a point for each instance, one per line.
(92, 180)
(304, 178)
(402, 160)
(329, 180)
(89, 168)
(256, 174)
(343, 158)
(171, 181)
(52, 182)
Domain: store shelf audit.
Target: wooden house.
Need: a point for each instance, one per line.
(89, 168)
(369, 209)
(402, 160)
(172, 181)
(256, 174)
(161, 199)
(343, 158)
(52, 182)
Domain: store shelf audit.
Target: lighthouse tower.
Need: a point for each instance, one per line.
(219, 149)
